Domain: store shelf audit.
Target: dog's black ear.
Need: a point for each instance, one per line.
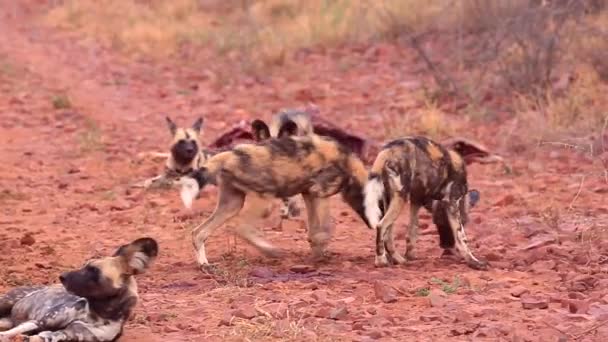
(172, 126)
(260, 130)
(139, 254)
(197, 125)
(288, 128)
(473, 197)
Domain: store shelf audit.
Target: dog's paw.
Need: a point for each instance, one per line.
(480, 265)
(381, 261)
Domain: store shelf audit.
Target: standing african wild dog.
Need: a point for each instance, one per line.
(92, 305)
(262, 132)
(428, 175)
(316, 167)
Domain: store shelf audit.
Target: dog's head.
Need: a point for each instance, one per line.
(285, 123)
(185, 145)
(109, 277)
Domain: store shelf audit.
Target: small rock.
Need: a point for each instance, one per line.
(375, 334)
(600, 312)
(540, 241)
(309, 335)
(430, 318)
(338, 313)
(246, 312)
(262, 272)
(120, 204)
(323, 312)
(320, 296)
(576, 295)
(157, 317)
(28, 240)
(532, 302)
(225, 321)
(505, 201)
(542, 266)
(276, 310)
(385, 293)
(518, 291)
(171, 328)
(464, 329)
(578, 306)
(302, 268)
(358, 326)
(437, 298)
(241, 301)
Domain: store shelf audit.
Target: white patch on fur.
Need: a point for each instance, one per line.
(372, 194)
(189, 191)
(139, 261)
(394, 179)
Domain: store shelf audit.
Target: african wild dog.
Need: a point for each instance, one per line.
(186, 153)
(92, 305)
(261, 131)
(316, 167)
(428, 175)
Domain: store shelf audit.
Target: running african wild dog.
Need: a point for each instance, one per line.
(91, 304)
(261, 131)
(314, 166)
(426, 174)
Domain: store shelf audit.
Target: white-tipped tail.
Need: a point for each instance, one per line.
(189, 191)
(373, 193)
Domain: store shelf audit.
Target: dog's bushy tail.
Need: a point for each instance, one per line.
(374, 191)
(195, 181)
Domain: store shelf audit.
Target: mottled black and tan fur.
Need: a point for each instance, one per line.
(426, 174)
(261, 131)
(91, 304)
(186, 154)
(314, 166)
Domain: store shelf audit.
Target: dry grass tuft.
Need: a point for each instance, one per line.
(501, 47)
(266, 31)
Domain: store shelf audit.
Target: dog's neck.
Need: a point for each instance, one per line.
(181, 169)
(116, 308)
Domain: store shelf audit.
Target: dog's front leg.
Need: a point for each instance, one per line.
(20, 329)
(150, 182)
(81, 332)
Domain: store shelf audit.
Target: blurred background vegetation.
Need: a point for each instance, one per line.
(547, 57)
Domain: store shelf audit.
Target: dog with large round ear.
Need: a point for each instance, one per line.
(138, 255)
(106, 277)
(260, 130)
(93, 304)
(173, 128)
(186, 149)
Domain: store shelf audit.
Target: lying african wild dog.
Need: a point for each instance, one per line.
(428, 175)
(92, 304)
(186, 155)
(261, 131)
(315, 166)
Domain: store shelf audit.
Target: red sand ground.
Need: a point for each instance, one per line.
(65, 177)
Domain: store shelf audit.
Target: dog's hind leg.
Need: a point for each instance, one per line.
(392, 213)
(319, 224)
(412, 232)
(455, 221)
(78, 331)
(229, 204)
(22, 328)
(251, 216)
